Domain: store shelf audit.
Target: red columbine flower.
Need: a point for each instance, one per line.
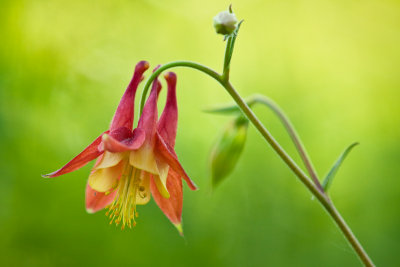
(129, 161)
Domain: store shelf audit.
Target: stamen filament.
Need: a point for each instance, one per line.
(123, 209)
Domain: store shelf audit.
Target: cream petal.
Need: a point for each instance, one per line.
(161, 179)
(143, 192)
(103, 180)
(109, 160)
(144, 159)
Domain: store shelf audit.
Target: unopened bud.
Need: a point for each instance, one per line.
(227, 150)
(225, 22)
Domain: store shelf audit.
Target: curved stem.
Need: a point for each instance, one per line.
(275, 145)
(293, 135)
(320, 195)
(173, 64)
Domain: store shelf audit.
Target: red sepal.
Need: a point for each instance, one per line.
(135, 141)
(96, 201)
(172, 206)
(148, 119)
(167, 154)
(167, 125)
(123, 117)
(88, 154)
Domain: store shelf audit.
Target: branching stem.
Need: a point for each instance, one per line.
(292, 133)
(315, 190)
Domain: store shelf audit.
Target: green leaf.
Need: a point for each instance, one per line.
(232, 109)
(235, 34)
(227, 110)
(329, 177)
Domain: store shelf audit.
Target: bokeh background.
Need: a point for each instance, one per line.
(332, 65)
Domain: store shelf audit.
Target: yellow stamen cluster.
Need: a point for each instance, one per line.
(123, 209)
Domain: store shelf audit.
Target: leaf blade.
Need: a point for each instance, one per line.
(230, 109)
(331, 174)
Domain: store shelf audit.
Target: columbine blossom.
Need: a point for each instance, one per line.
(129, 163)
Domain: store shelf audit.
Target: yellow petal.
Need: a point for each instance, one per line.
(143, 159)
(103, 180)
(161, 179)
(110, 159)
(143, 191)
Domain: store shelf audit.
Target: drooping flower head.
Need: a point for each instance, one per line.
(133, 164)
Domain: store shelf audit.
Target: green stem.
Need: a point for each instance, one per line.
(351, 238)
(293, 135)
(173, 64)
(320, 195)
(227, 59)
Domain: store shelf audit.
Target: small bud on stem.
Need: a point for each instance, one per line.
(225, 22)
(228, 149)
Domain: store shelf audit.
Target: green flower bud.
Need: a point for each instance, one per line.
(226, 152)
(225, 22)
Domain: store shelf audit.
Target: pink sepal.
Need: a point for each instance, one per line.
(135, 141)
(148, 119)
(172, 206)
(96, 201)
(167, 154)
(123, 117)
(88, 154)
(167, 125)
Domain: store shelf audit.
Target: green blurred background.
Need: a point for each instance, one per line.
(332, 65)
